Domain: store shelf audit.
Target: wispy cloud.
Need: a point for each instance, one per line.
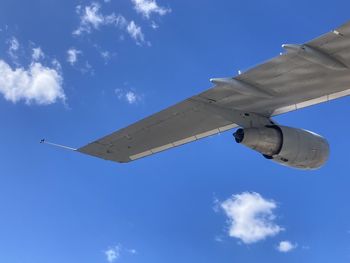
(154, 25)
(117, 20)
(13, 48)
(91, 18)
(113, 254)
(286, 246)
(251, 217)
(37, 84)
(73, 58)
(106, 55)
(87, 68)
(57, 65)
(37, 54)
(149, 7)
(129, 96)
(72, 55)
(135, 32)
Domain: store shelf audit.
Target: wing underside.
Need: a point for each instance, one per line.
(292, 80)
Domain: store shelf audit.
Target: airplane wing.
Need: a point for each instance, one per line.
(307, 74)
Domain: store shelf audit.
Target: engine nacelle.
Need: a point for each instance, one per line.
(288, 146)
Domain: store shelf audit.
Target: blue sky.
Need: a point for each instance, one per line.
(73, 71)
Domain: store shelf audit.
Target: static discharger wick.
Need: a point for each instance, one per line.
(43, 141)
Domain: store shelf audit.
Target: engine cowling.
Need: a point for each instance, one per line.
(287, 146)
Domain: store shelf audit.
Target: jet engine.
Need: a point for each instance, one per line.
(285, 145)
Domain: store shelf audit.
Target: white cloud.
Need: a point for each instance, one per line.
(251, 217)
(91, 18)
(37, 84)
(73, 59)
(154, 25)
(286, 246)
(13, 47)
(113, 254)
(13, 44)
(147, 7)
(106, 55)
(72, 55)
(37, 54)
(135, 32)
(56, 64)
(129, 96)
(116, 20)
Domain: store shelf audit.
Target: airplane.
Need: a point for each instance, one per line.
(306, 74)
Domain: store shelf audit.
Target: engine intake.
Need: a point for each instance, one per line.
(288, 146)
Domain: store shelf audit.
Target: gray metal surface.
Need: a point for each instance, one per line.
(291, 80)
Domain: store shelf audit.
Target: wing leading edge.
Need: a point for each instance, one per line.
(308, 74)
